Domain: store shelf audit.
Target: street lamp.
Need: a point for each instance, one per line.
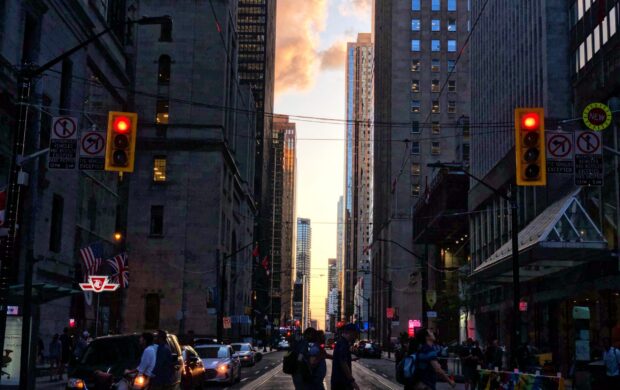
(18, 178)
(516, 324)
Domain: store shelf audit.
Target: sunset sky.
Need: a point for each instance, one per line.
(310, 81)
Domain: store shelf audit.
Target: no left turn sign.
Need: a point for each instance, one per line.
(559, 145)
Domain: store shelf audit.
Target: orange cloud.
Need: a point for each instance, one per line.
(358, 8)
(298, 26)
(334, 56)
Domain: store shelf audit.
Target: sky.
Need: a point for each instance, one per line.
(311, 38)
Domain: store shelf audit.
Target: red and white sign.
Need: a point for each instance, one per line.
(523, 306)
(560, 146)
(98, 284)
(413, 324)
(227, 323)
(389, 313)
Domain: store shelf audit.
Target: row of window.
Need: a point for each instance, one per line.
(435, 149)
(435, 108)
(435, 127)
(416, 25)
(435, 86)
(594, 41)
(416, 65)
(416, 5)
(416, 45)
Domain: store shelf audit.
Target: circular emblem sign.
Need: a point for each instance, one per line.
(597, 116)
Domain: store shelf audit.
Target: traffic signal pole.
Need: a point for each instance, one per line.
(18, 179)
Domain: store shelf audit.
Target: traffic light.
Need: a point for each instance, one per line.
(121, 142)
(530, 147)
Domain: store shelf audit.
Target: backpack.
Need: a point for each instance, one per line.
(406, 370)
(289, 362)
(164, 372)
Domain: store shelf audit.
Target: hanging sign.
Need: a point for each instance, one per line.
(98, 284)
(63, 143)
(588, 158)
(597, 116)
(560, 152)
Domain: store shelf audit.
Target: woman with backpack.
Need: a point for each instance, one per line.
(427, 367)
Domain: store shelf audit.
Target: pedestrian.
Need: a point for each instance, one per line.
(611, 357)
(342, 374)
(318, 367)
(40, 351)
(55, 357)
(164, 373)
(427, 363)
(302, 377)
(67, 348)
(81, 344)
(147, 360)
(493, 355)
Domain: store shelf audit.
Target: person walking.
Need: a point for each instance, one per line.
(55, 357)
(427, 363)
(611, 357)
(67, 349)
(318, 367)
(302, 377)
(81, 344)
(164, 373)
(342, 374)
(493, 355)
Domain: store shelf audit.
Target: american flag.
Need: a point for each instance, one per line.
(120, 266)
(91, 258)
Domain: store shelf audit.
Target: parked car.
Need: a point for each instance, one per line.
(358, 346)
(283, 344)
(246, 353)
(114, 354)
(221, 363)
(193, 370)
(370, 350)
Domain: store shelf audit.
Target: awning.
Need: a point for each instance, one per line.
(41, 293)
(562, 236)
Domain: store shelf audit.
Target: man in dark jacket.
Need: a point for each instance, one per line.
(342, 374)
(164, 373)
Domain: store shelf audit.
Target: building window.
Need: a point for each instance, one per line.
(436, 127)
(415, 106)
(436, 25)
(157, 220)
(451, 107)
(152, 305)
(436, 5)
(415, 190)
(451, 65)
(415, 5)
(605, 31)
(163, 110)
(612, 22)
(415, 45)
(415, 127)
(415, 65)
(415, 169)
(451, 45)
(451, 25)
(159, 169)
(435, 45)
(163, 74)
(435, 65)
(435, 148)
(415, 147)
(415, 24)
(66, 78)
(451, 5)
(435, 107)
(451, 85)
(435, 86)
(166, 32)
(415, 85)
(58, 205)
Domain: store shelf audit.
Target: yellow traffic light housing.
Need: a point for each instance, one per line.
(530, 151)
(121, 142)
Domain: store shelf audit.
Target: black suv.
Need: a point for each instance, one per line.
(113, 354)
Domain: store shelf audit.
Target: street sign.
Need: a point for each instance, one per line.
(588, 158)
(597, 116)
(92, 151)
(63, 143)
(560, 153)
(431, 298)
(389, 313)
(431, 314)
(227, 322)
(98, 284)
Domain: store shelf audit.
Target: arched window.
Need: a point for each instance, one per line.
(163, 75)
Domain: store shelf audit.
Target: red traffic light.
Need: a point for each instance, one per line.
(530, 121)
(122, 124)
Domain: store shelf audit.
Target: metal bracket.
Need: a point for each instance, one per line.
(24, 159)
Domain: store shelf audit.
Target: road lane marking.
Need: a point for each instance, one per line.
(244, 379)
(386, 383)
(263, 379)
(385, 376)
(257, 372)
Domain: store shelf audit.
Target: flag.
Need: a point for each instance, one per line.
(120, 266)
(2, 205)
(91, 258)
(265, 264)
(256, 254)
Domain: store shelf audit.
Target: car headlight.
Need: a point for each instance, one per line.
(223, 368)
(75, 383)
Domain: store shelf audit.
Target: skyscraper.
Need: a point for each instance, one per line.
(283, 211)
(332, 274)
(302, 265)
(420, 93)
(358, 166)
(340, 252)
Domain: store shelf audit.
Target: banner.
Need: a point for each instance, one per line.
(491, 380)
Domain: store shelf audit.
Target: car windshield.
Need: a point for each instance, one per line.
(109, 352)
(212, 352)
(368, 346)
(242, 347)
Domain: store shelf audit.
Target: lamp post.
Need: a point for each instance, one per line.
(18, 179)
(516, 321)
